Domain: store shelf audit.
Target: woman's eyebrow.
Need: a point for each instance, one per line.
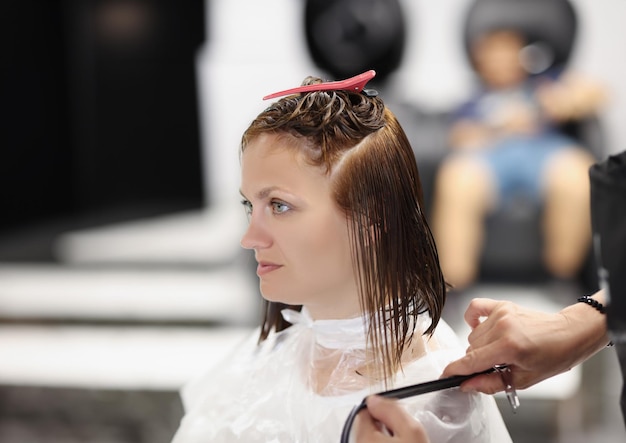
(263, 193)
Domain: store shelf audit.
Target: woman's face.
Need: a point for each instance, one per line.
(299, 236)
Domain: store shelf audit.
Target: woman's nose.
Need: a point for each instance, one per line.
(256, 236)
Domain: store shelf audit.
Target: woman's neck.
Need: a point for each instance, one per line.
(337, 311)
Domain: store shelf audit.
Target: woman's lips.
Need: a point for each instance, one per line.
(265, 268)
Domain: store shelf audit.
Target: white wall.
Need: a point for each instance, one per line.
(257, 47)
(600, 53)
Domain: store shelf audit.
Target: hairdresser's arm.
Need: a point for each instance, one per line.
(534, 344)
(388, 412)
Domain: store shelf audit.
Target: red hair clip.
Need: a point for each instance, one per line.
(355, 84)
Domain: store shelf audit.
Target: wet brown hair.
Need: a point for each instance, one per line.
(375, 182)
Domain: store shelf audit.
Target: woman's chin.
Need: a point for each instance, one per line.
(274, 297)
(270, 295)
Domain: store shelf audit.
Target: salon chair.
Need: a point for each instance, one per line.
(348, 37)
(513, 243)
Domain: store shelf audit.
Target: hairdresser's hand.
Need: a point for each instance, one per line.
(368, 427)
(534, 344)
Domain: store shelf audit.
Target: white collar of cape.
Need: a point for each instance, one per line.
(348, 333)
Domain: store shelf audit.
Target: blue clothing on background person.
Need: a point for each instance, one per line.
(516, 160)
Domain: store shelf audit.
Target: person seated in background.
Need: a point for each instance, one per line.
(506, 142)
(348, 269)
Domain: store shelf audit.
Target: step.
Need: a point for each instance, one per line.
(127, 358)
(75, 293)
(207, 236)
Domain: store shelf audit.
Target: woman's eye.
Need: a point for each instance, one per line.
(279, 207)
(247, 206)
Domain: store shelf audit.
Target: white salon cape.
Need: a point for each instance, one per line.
(264, 393)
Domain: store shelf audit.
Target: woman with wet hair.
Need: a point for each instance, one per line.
(348, 269)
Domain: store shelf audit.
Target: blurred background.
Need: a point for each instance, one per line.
(121, 275)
